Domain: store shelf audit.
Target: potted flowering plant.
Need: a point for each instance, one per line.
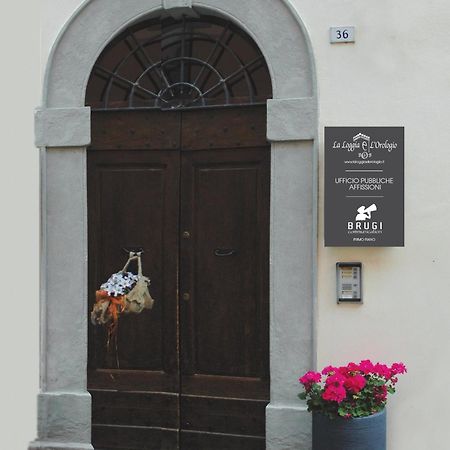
(348, 404)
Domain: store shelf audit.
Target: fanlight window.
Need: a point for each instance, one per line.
(187, 63)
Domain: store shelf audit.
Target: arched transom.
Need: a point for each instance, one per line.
(173, 64)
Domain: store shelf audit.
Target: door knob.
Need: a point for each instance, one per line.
(186, 296)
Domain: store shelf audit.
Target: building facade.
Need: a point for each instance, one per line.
(393, 74)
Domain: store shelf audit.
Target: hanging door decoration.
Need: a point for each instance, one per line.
(123, 293)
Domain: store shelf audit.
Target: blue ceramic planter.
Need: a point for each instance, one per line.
(364, 433)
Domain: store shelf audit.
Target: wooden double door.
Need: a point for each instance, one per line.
(191, 189)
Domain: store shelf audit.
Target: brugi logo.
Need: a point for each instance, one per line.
(363, 222)
(365, 213)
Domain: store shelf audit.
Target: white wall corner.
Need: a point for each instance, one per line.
(63, 127)
(293, 119)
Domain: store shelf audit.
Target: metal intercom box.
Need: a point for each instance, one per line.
(349, 282)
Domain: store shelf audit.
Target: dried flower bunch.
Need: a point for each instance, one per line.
(120, 283)
(354, 390)
(123, 293)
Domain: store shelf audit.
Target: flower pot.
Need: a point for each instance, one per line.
(363, 433)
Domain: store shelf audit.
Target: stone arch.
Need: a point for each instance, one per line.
(97, 22)
(63, 133)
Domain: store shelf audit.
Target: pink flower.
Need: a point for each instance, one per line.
(349, 369)
(329, 369)
(344, 371)
(366, 366)
(309, 379)
(398, 368)
(334, 393)
(336, 380)
(382, 370)
(355, 383)
(358, 389)
(352, 367)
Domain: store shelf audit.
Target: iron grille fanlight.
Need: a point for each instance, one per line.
(189, 63)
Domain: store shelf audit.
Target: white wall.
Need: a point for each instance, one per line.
(19, 224)
(395, 74)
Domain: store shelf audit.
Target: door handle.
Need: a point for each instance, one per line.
(221, 252)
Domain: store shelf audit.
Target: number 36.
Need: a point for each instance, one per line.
(341, 34)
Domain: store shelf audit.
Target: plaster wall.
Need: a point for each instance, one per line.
(19, 224)
(395, 74)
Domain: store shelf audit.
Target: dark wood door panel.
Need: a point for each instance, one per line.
(131, 193)
(138, 130)
(233, 387)
(133, 380)
(192, 189)
(135, 409)
(224, 321)
(230, 128)
(113, 437)
(225, 263)
(223, 415)
(200, 440)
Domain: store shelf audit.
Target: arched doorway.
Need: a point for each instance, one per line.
(179, 166)
(63, 133)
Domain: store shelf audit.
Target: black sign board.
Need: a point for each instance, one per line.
(364, 186)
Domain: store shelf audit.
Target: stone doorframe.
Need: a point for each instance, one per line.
(63, 133)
